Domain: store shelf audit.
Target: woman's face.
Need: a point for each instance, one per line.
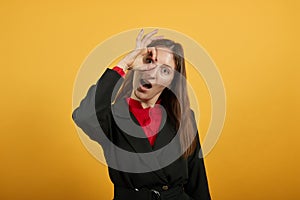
(148, 85)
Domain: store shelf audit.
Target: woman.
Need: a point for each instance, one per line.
(150, 111)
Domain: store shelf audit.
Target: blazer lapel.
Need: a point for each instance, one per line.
(166, 134)
(130, 128)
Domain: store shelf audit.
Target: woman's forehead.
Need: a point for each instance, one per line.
(165, 57)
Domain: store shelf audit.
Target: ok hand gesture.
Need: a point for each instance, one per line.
(135, 59)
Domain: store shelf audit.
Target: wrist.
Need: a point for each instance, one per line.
(122, 65)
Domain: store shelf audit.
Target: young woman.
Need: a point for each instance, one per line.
(149, 111)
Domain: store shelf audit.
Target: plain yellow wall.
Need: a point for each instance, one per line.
(255, 45)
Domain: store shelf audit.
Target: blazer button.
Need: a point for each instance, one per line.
(165, 187)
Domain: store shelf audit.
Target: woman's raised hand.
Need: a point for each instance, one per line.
(135, 59)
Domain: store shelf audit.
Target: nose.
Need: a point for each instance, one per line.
(152, 73)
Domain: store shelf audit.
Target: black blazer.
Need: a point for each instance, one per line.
(117, 131)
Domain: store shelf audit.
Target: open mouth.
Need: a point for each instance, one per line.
(145, 83)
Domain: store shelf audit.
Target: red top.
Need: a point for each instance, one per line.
(149, 118)
(119, 70)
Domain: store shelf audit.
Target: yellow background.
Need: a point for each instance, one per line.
(255, 45)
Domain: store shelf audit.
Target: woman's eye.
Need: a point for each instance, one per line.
(148, 60)
(165, 71)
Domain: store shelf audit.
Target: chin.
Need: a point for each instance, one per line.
(142, 96)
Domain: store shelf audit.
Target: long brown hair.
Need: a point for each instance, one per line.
(178, 110)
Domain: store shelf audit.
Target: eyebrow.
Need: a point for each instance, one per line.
(168, 66)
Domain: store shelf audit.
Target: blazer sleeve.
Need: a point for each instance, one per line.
(197, 184)
(93, 115)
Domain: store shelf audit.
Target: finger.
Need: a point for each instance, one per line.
(139, 38)
(135, 57)
(152, 52)
(139, 51)
(149, 35)
(157, 37)
(152, 39)
(144, 67)
(143, 51)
